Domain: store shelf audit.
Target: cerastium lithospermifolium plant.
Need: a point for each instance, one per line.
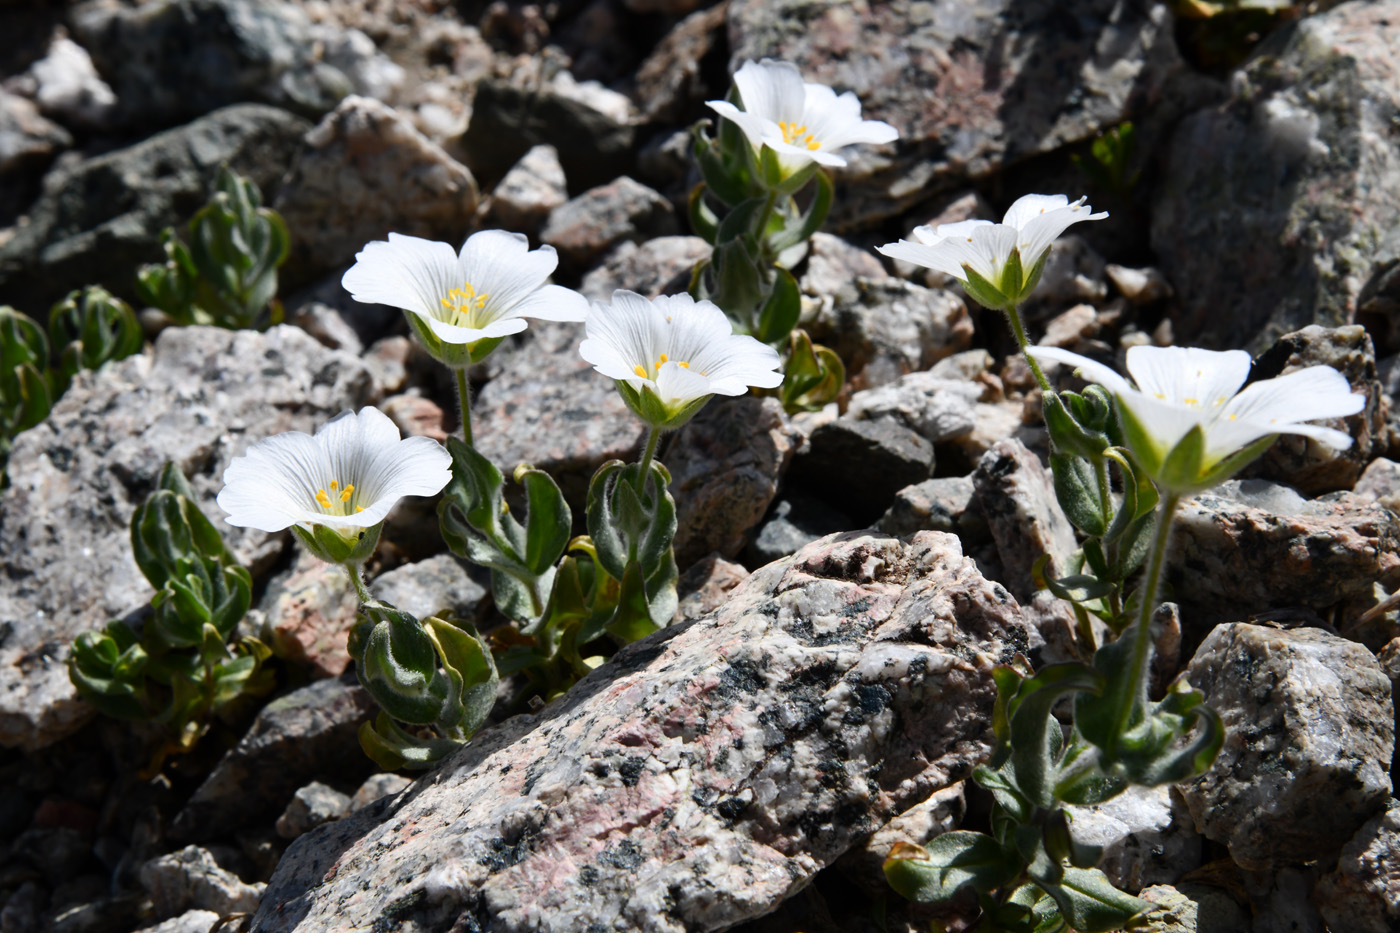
(765, 190)
(1181, 426)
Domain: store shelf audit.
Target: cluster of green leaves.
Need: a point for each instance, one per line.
(182, 667)
(87, 328)
(753, 217)
(1110, 162)
(227, 275)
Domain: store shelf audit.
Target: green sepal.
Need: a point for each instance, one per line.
(471, 674)
(649, 407)
(985, 293)
(1076, 488)
(934, 874)
(1227, 467)
(801, 228)
(632, 619)
(340, 545)
(35, 398)
(451, 355)
(813, 375)
(780, 312)
(396, 662)
(1072, 427)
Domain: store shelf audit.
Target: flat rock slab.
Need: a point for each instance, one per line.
(702, 775)
(200, 399)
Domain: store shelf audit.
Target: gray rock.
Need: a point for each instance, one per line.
(919, 825)
(1140, 286)
(58, 853)
(586, 227)
(669, 83)
(28, 140)
(1363, 892)
(1191, 908)
(922, 67)
(938, 409)
(23, 908)
(68, 88)
(1309, 737)
(529, 191)
(377, 786)
(862, 464)
(885, 327)
(328, 326)
(1252, 545)
(365, 171)
(705, 586)
(507, 120)
(944, 503)
(100, 218)
(659, 266)
(102, 914)
(1073, 273)
(1380, 481)
(1146, 834)
(1016, 495)
(304, 735)
(993, 422)
(794, 522)
(173, 60)
(1378, 304)
(1273, 204)
(438, 586)
(833, 264)
(1304, 464)
(306, 613)
(725, 466)
(200, 399)
(310, 806)
(191, 921)
(1281, 900)
(1070, 329)
(191, 880)
(700, 776)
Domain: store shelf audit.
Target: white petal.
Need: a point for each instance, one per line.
(677, 385)
(553, 303)
(451, 333)
(694, 328)
(273, 485)
(1029, 206)
(406, 272)
(622, 335)
(1038, 233)
(921, 254)
(502, 266)
(1088, 370)
(755, 129)
(772, 90)
(1189, 376)
(1167, 423)
(793, 158)
(744, 362)
(1305, 395)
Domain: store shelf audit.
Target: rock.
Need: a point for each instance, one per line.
(725, 466)
(1380, 481)
(1273, 203)
(659, 266)
(191, 879)
(749, 749)
(1252, 545)
(198, 400)
(886, 327)
(594, 146)
(1280, 901)
(416, 416)
(1016, 495)
(862, 464)
(938, 409)
(23, 908)
(1073, 274)
(438, 586)
(922, 67)
(328, 326)
(1192, 908)
(669, 84)
(587, 226)
(1363, 892)
(1146, 834)
(1071, 328)
(1140, 286)
(58, 853)
(102, 914)
(919, 825)
(1309, 736)
(529, 191)
(833, 264)
(548, 407)
(1378, 304)
(377, 786)
(310, 806)
(944, 503)
(705, 586)
(173, 60)
(100, 218)
(68, 88)
(191, 921)
(304, 735)
(28, 140)
(308, 610)
(1306, 465)
(794, 522)
(365, 171)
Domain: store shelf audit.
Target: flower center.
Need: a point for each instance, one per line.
(338, 501)
(642, 373)
(795, 134)
(462, 305)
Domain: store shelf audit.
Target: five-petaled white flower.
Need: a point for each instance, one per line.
(802, 123)
(463, 304)
(998, 264)
(1189, 423)
(670, 354)
(335, 488)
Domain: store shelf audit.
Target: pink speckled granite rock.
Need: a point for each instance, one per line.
(702, 775)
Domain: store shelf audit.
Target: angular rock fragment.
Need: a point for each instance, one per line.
(1146, 834)
(862, 464)
(699, 777)
(310, 806)
(583, 229)
(1309, 737)
(529, 191)
(944, 503)
(659, 266)
(1016, 495)
(669, 83)
(1363, 893)
(191, 880)
(794, 522)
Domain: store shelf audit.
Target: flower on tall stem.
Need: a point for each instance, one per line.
(803, 124)
(335, 488)
(998, 264)
(1189, 423)
(463, 304)
(669, 355)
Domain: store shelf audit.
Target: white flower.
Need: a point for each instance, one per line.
(463, 304)
(802, 123)
(670, 354)
(999, 264)
(344, 480)
(1189, 423)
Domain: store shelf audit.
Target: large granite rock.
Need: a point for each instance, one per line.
(1363, 892)
(1309, 736)
(1016, 495)
(971, 87)
(699, 777)
(99, 219)
(1274, 203)
(199, 400)
(623, 210)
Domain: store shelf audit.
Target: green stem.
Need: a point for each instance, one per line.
(361, 591)
(1014, 316)
(1142, 637)
(464, 396)
(647, 456)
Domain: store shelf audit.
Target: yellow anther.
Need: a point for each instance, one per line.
(345, 496)
(795, 134)
(683, 365)
(322, 498)
(359, 508)
(664, 358)
(458, 300)
(1192, 401)
(641, 373)
(334, 484)
(813, 144)
(1159, 395)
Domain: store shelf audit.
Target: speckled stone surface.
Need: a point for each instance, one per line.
(1363, 893)
(699, 777)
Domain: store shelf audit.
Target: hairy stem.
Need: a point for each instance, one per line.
(1142, 637)
(647, 456)
(464, 396)
(1014, 316)
(361, 591)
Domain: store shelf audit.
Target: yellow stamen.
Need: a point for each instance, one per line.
(795, 134)
(359, 508)
(345, 496)
(322, 498)
(664, 358)
(333, 485)
(683, 365)
(641, 373)
(460, 302)
(1191, 401)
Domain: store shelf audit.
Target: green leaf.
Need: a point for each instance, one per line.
(471, 672)
(632, 620)
(392, 748)
(1089, 902)
(780, 312)
(1035, 734)
(1072, 427)
(801, 229)
(1076, 488)
(397, 663)
(813, 375)
(702, 220)
(952, 860)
